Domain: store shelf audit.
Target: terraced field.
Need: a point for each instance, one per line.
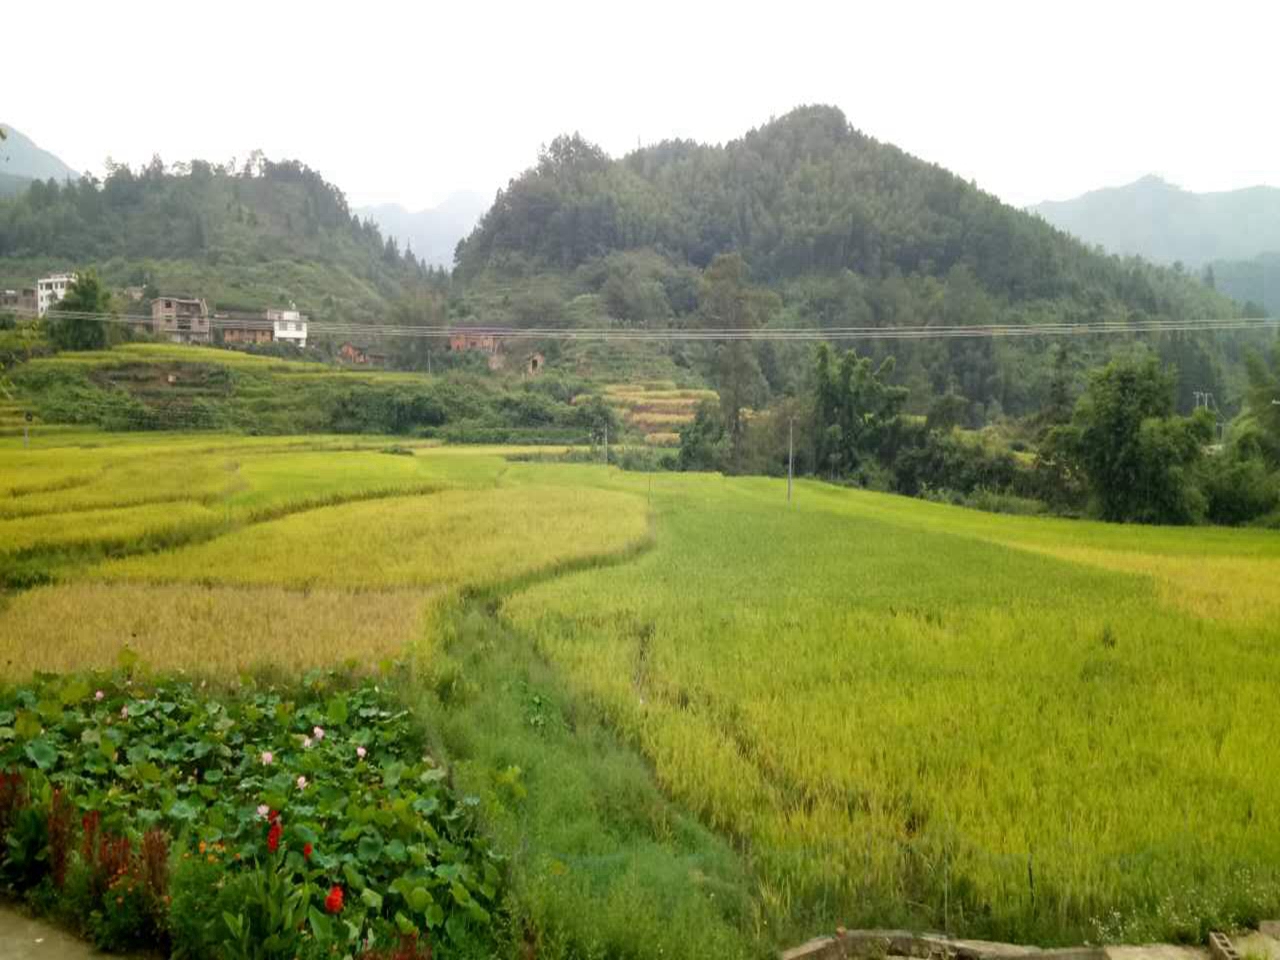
(657, 409)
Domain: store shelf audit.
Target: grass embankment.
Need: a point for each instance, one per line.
(862, 709)
(149, 386)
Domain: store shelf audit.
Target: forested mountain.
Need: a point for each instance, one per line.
(803, 194)
(1255, 282)
(847, 231)
(431, 234)
(1157, 220)
(20, 157)
(268, 233)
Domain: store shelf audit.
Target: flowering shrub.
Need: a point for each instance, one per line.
(306, 822)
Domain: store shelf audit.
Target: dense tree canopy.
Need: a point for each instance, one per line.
(855, 409)
(1138, 456)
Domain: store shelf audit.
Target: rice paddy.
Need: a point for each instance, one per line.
(914, 714)
(858, 709)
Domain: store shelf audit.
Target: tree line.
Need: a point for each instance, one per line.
(1112, 445)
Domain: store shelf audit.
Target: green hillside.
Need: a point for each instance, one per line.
(846, 231)
(150, 386)
(267, 234)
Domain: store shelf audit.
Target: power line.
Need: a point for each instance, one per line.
(704, 334)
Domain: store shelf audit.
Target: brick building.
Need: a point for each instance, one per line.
(180, 320)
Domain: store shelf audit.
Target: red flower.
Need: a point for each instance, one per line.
(274, 835)
(306, 850)
(333, 902)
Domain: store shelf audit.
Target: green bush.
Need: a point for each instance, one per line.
(307, 819)
(1238, 489)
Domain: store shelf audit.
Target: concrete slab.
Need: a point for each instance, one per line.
(22, 938)
(1156, 951)
(988, 949)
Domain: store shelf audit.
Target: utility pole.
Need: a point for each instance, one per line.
(606, 443)
(791, 454)
(26, 430)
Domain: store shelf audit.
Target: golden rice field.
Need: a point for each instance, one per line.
(344, 546)
(893, 711)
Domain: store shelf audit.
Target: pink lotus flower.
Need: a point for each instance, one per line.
(99, 695)
(360, 752)
(318, 733)
(263, 810)
(267, 758)
(306, 742)
(302, 783)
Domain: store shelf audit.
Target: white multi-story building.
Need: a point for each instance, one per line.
(288, 326)
(49, 290)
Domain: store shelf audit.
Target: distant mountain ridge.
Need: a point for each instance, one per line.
(1166, 224)
(433, 234)
(21, 157)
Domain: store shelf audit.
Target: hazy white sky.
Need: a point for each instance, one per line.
(408, 102)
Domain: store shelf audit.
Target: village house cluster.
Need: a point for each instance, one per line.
(38, 299)
(188, 320)
(182, 319)
(173, 318)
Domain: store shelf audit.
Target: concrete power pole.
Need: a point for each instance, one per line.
(606, 443)
(791, 454)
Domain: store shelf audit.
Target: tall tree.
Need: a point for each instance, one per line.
(726, 301)
(855, 409)
(1263, 397)
(1057, 409)
(1138, 457)
(73, 321)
